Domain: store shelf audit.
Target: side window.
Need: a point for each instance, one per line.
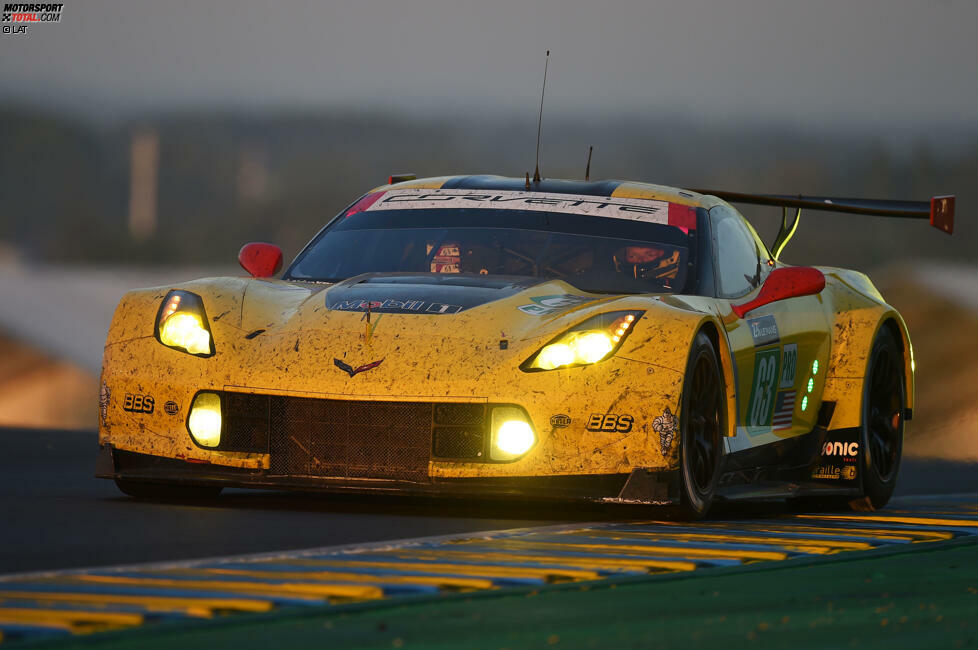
(738, 264)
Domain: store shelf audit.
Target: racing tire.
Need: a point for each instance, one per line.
(880, 432)
(883, 425)
(702, 421)
(166, 491)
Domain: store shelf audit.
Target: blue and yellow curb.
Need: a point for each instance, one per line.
(45, 605)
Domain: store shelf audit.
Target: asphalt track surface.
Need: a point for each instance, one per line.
(54, 514)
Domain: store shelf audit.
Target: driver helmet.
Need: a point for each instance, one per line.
(648, 262)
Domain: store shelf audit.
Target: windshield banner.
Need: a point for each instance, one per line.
(646, 210)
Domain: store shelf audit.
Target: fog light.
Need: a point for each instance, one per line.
(512, 435)
(205, 419)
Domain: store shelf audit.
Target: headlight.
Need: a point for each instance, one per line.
(594, 340)
(182, 324)
(512, 435)
(204, 422)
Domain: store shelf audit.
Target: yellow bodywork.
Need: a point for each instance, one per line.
(425, 358)
(460, 358)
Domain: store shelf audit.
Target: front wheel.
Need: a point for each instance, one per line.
(165, 491)
(701, 422)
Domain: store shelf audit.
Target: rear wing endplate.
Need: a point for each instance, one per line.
(939, 210)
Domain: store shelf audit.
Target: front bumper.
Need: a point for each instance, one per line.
(637, 486)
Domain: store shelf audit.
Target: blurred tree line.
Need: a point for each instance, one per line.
(228, 178)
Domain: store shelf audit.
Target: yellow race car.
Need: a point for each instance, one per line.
(489, 336)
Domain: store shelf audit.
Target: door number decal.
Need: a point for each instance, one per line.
(763, 389)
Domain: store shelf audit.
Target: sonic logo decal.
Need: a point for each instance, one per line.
(848, 449)
(350, 370)
(665, 426)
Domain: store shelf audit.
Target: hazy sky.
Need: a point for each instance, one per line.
(812, 61)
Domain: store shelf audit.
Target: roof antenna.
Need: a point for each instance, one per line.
(536, 173)
(587, 170)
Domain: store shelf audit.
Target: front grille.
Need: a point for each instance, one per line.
(353, 439)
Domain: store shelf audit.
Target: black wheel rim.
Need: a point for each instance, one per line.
(885, 414)
(703, 426)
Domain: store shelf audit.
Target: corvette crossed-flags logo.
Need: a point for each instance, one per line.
(350, 370)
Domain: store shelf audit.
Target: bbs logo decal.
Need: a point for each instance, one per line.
(610, 422)
(138, 403)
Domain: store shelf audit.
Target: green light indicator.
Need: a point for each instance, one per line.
(811, 384)
(804, 402)
(815, 367)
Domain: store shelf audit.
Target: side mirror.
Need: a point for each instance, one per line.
(788, 282)
(260, 260)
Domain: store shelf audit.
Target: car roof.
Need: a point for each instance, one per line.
(614, 188)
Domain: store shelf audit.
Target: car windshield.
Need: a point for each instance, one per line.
(617, 254)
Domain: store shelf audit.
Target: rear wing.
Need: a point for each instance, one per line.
(939, 210)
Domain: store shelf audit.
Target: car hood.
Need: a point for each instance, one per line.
(447, 336)
(418, 306)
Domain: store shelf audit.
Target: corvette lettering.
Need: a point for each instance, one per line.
(646, 210)
(407, 306)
